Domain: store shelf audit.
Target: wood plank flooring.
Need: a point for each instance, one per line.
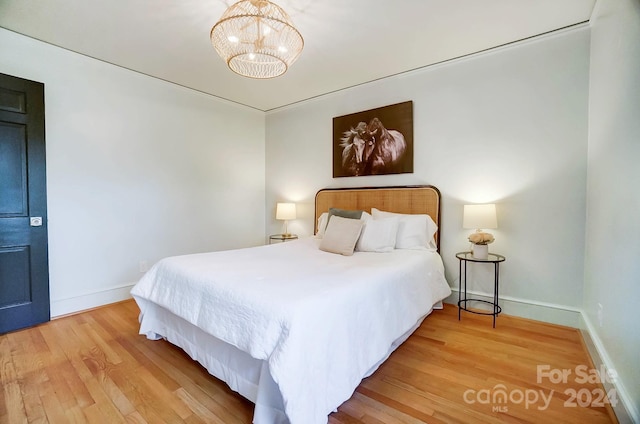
(93, 367)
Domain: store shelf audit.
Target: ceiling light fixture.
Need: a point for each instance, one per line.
(257, 39)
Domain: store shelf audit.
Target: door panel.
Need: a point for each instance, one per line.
(14, 270)
(24, 269)
(13, 101)
(13, 184)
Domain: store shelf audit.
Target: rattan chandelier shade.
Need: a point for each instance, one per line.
(257, 39)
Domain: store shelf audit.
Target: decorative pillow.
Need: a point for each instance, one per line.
(415, 231)
(341, 235)
(378, 235)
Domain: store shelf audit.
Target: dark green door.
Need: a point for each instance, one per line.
(24, 269)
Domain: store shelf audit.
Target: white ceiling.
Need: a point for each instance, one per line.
(347, 42)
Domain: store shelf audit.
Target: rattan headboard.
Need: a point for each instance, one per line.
(407, 199)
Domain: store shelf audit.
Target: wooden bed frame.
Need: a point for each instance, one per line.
(398, 199)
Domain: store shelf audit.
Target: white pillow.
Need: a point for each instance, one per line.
(415, 231)
(378, 235)
(324, 219)
(322, 224)
(341, 235)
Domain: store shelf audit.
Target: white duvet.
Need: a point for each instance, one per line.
(319, 320)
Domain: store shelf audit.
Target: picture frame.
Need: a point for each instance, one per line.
(374, 142)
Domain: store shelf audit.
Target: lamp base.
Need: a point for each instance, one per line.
(480, 251)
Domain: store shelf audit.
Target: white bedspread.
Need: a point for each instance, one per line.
(320, 320)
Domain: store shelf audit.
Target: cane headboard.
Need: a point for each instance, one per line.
(406, 199)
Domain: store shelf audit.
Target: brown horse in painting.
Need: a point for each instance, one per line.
(390, 147)
(357, 145)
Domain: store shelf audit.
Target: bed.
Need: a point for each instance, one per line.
(294, 327)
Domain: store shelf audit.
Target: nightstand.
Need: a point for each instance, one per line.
(466, 257)
(282, 237)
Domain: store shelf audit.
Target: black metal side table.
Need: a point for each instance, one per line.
(465, 257)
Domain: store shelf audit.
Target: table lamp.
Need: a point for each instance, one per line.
(285, 212)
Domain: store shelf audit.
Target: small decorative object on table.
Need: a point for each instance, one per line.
(480, 244)
(480, 216)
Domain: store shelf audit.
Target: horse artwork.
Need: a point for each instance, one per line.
(357, 146)
(390, 146)
(374, 142)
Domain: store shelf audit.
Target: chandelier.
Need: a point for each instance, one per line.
(257, 39)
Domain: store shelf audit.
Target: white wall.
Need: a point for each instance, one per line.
(507, 126)
(612, 263)
(137, 169)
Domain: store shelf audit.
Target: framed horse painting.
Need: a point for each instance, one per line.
(374, 142)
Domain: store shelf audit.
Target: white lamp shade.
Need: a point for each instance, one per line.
(286, 211)
(480, 216)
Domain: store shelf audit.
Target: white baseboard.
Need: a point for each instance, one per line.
(626, 411)
(90, 300)
(539, 311)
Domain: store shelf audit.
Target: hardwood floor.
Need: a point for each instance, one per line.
(93, 367)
